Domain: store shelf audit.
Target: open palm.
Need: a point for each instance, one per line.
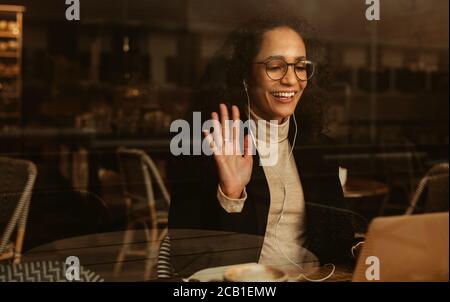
(234, 166)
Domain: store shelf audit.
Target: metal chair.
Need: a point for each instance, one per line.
(431, 194)
(16, 185)
(404, 166)
(140, 177)
(112, 195)
(164, 268)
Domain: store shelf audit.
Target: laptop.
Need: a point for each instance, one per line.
(405, 248)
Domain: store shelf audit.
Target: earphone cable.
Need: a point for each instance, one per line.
(301, 275)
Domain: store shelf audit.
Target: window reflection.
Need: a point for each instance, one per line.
(74, 96)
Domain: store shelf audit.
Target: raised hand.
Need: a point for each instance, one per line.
(234, 167)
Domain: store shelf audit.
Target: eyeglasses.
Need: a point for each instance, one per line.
(276, 69)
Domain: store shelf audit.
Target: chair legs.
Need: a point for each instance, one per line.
(6, 256)
(153, 251)
(14, 252)
(150, 253)
(19, 245)
(128, 236)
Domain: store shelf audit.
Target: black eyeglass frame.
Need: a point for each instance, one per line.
(265, 62)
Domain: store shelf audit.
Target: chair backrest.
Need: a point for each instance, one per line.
(139, 176)
(402, 163)
(112, 195)
(431, 194)
(17, 179)
(164, 268)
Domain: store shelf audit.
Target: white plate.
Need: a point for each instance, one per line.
(210, 274)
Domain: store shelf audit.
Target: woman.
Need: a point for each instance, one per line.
(289, 195)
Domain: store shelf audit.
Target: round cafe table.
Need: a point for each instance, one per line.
(362, 187)
(365, 196)
(192, 250)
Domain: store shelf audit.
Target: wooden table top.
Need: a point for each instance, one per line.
(362, 187)
(98, 252)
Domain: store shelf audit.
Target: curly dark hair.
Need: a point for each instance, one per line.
(223, 78)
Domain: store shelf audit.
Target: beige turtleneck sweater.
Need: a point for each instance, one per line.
(284, 233)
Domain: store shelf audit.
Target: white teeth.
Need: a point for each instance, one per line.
(283, 94)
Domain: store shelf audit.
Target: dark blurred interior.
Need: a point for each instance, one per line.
(77, 91)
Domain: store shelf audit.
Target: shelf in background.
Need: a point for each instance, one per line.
(12, 9)
(9, 94)
(8, 76)
(8, 54)
(9, 114)
(11, 51)
(7, 34)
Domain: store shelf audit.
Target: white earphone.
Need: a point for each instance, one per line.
(245, 85)
(301, 275)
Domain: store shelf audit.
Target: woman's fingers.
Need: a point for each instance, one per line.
(210, 140)
(217, 134)
(248, 146)
(227, 133)
(225, 121)
(236, 129)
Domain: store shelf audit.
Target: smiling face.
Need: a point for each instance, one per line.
(277, 99)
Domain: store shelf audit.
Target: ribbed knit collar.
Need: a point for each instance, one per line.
(270, 129)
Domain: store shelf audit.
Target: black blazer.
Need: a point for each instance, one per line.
(328, 227)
